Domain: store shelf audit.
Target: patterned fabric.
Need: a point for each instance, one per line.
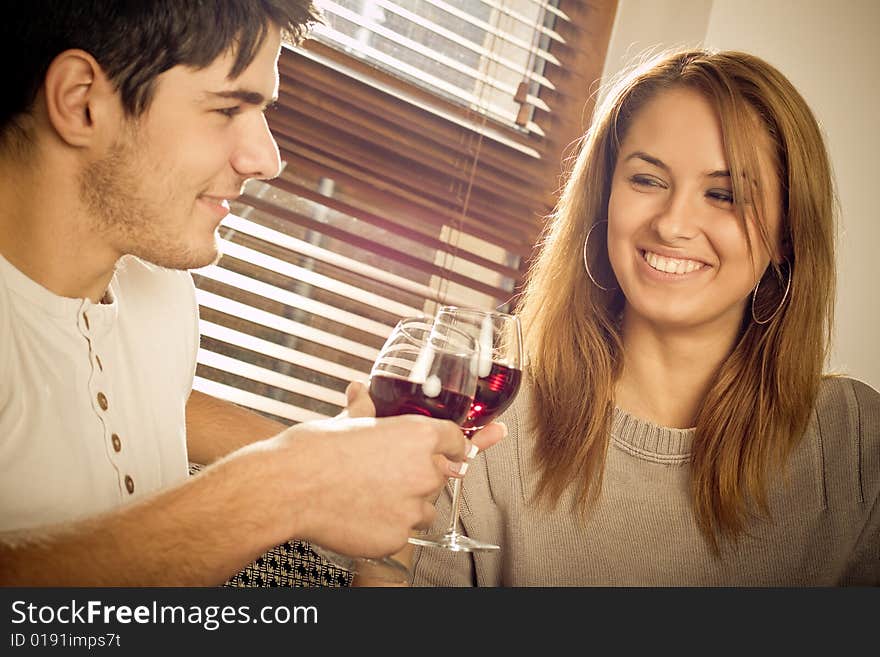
(290, 564)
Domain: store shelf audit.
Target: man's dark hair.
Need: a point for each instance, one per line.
(134, 41)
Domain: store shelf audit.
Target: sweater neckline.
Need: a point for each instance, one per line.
(651, 441)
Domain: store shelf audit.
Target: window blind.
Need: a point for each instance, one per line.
(487, 55)
(393, 199)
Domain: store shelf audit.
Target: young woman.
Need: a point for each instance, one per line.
(675, 426)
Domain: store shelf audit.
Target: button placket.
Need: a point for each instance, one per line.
(103, 403)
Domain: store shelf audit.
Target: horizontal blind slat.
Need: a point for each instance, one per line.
(491, 29)
(269, 377)
(304, 275)
(254, 401)
(254, 229)
(279, 352)
(322, 57)
(467, 43)
(396, 64)
(363, 139)
(437, 57)
(284, 182)
(480, 221)
(290, 299)
(249, 313)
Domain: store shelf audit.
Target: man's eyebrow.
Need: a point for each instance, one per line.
(650, 159)
(245, 96)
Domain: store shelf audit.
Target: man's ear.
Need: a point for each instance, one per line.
(78, 96)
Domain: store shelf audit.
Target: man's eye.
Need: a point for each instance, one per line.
(229, 111)
(722, 195)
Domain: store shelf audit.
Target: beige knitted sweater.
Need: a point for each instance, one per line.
(823, 530)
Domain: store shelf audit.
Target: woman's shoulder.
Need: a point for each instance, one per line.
(846, 402)
(846, 425)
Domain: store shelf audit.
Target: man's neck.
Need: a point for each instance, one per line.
(46, 233)
(667, 374)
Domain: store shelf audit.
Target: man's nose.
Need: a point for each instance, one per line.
(256, 154)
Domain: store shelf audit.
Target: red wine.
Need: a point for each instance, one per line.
(393, 396)
(494, 394)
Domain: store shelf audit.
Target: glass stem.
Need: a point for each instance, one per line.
(456, 502)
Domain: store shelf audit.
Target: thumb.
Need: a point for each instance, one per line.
(489, 435)
(358, 402)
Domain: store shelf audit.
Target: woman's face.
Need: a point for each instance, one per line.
(678, 250)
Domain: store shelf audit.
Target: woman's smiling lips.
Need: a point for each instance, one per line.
(670, 268)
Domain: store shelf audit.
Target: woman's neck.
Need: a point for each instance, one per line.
(668, 372)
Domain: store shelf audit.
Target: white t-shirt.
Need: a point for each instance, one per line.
(93, 396)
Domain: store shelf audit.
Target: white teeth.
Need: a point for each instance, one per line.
(671, 265)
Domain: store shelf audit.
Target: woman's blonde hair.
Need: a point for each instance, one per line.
(759, 404)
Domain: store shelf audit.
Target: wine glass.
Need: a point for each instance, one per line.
(424, 367)
(499, 337)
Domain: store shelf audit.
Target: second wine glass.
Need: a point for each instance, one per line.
(499, 370)
(427, 368)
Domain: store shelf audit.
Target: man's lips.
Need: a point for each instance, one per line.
(219, 205)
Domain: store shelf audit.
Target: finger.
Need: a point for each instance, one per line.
(451, 442)
(358, 402)
(456, 469)
(446, 468)
(488, 436)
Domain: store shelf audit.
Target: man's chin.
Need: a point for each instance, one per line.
(184, 259)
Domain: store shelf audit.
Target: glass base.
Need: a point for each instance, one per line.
(454, 542)
(386, 568)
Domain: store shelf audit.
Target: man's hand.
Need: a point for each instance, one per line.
(365, 483)
(360, 405)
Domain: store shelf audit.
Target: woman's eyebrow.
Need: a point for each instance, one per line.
(650, 159)
(657, 162)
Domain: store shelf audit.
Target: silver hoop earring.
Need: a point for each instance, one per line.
(781, 302)
(586, 258)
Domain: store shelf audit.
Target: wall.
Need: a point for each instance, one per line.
(828, 49)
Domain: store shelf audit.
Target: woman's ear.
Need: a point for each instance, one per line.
(785, 250)
(76, 93)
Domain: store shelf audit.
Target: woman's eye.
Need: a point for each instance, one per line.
(229, 112)
(722, 195)
(640, 180)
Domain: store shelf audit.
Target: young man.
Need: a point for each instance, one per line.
(126, 127)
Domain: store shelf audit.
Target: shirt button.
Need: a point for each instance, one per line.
(102, 401)
(98, 361)
(129, 484)
(117, 444)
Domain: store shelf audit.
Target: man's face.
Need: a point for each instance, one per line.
(163, 188)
